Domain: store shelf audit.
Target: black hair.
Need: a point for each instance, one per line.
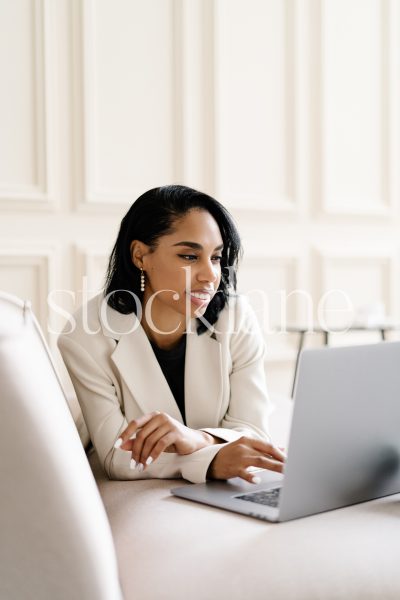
(153, 215)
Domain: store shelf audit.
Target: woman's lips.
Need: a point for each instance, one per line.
(199, 301)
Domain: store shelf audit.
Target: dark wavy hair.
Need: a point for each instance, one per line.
(153, 215)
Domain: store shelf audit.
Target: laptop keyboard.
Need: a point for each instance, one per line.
(266, 497)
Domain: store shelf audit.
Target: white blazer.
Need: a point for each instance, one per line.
(117, 378)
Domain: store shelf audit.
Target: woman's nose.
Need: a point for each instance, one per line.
(208, 271)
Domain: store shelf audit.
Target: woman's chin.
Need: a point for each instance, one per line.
(196, 311)
(199, 311)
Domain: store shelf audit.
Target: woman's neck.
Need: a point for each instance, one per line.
(164, 330)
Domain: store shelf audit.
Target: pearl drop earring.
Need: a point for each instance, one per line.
(141, 280)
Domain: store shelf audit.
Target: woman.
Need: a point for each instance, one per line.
(168, 363)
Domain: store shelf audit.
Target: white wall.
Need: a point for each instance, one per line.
(286, 110)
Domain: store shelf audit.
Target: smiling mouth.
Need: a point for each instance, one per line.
(199, 297)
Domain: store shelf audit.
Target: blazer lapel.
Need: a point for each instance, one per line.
(203, 380)
(138, 366)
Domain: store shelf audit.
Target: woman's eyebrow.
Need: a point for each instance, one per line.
(196, 246)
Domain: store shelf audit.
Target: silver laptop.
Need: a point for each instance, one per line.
(344, 445)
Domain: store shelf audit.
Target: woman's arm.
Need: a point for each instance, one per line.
(245, 423)
(105, 420)
(97, 397)
(246, 415)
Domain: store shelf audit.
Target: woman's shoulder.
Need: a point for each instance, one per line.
(85, 342)
(97, 317)
(85, 319)
(95, 326)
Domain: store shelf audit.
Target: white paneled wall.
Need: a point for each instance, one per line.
(129, 86)
(286, 110)
(255, 103)
(355, 96)
(27, 141)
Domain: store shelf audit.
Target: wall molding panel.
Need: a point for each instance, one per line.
(358, 98)
(393, 112)
(94, 193)
(39, 194)
(270, 281)
(31, 273)
(90, 267)
(367, 277)
(230, 147)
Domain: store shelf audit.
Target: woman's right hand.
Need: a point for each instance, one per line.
(234, 458)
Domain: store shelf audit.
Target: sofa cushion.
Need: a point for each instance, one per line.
(55, 537)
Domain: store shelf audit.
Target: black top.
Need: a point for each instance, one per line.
(172, 363)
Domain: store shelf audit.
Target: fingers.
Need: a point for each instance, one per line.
(283, 450)
(267, 448)
(144, 450)
(250, 477)
(159, 446)
(265, 463)
(146, 437)
(133, 427)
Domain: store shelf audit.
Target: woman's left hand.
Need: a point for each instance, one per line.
(157, 432)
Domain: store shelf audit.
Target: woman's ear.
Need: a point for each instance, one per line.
(138, 249)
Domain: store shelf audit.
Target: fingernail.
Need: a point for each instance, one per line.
(149, 460)
(140, 467)
(133, 436)
(118, 443)
(256, 480)
(133, 463)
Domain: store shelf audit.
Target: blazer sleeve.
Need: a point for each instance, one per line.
(249, 405)
(105, 421)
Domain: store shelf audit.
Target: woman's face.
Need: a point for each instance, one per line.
(183, 273)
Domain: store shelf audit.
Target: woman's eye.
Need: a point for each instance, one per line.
(188, 256)
(193, 257)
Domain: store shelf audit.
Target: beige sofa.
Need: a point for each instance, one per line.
(58, 542)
